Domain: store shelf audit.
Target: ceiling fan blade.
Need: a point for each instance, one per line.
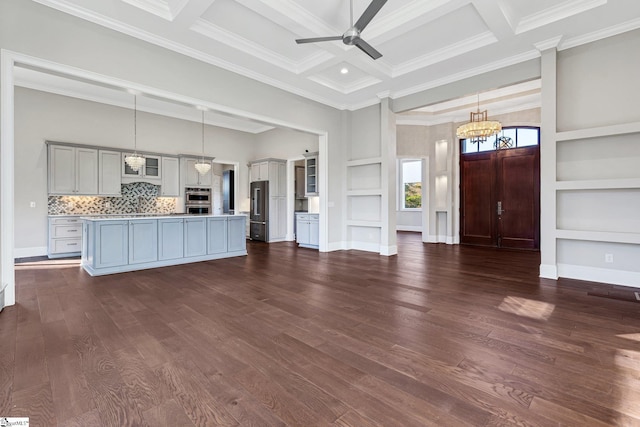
(368, 49)
(369, 13)
(318, 39)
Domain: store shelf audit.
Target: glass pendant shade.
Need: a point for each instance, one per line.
(202, 166)
(135, 161)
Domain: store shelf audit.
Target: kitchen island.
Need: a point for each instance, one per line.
(115, 244)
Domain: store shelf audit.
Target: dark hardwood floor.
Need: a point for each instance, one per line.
(436, 336)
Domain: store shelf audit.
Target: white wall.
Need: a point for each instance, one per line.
(41, 116)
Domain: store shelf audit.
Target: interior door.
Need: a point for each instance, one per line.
(500, 198)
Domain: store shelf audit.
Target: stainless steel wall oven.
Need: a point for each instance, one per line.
(197, 201)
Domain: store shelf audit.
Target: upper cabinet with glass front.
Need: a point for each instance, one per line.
(151, 169)
(311, 174)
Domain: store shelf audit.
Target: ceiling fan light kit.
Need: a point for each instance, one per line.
(351, 37)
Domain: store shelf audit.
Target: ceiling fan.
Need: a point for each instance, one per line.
(352, 36)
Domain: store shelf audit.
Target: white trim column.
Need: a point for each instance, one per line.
(7, 134)
(548, 208)
(388, 236)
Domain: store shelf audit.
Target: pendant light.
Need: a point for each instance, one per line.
(479, 127)
(135, 161)
(202, 167)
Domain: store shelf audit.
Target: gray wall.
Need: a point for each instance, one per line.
(41, 116)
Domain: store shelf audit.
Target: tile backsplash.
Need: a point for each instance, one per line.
(138, 197)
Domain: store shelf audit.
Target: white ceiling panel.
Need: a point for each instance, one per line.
(453, 29)
(424, 43)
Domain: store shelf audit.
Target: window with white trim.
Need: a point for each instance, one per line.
(410, 191)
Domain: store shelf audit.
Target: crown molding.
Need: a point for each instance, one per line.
(445, 53)
(552, 43)
(634, 24)
(221, 35)
(346, 89)
(254, 129)
(503, 63)
(556, 13)
(458, 117)
(155, 7)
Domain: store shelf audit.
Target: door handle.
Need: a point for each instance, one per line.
(500, 210)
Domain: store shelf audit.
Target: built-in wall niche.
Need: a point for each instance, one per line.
(606, 157)
(441, 148)
(441, 227)
(364, 177)
(364, 208)
(604, 210)
(367, 238)
(593, 255)
(442, 182)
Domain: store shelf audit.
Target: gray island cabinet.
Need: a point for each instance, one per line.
(118, 244)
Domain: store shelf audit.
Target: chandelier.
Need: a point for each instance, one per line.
(202, 167)
(479, 127)
(135, 161)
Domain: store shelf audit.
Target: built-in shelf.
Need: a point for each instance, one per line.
(364, 162)
(620, 129)
(599, 236)
(356, 223)
(598, 184)
(372, 192)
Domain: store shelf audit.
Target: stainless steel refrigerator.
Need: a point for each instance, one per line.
(259, 215)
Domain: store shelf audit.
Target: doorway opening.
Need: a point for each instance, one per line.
(500, 190)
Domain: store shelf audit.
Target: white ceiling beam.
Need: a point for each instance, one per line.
(190, 12)
(495, 18)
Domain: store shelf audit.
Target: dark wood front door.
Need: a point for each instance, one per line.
(500, 198)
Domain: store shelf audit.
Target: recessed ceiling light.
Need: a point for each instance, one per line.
(344, 70)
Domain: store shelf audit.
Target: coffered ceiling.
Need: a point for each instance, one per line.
(424, 43)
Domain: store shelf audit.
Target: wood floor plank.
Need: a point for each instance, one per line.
(437, 335)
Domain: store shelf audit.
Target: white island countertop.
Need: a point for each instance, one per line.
(133, 216)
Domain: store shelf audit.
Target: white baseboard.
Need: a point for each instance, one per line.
(29, 252)
(417, 228)
(548, 271)
(389, 250)
(364, 246)
(336, 246)
(602, 275)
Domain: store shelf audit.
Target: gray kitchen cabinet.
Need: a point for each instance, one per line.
(217, 229)
(311, 174)
(65, 236)
(236, 240)
(195, 237)
(308, 230)
(151, 171)
(260, 170)
(143, 241)
(191, 176)
(72, 170)
(170, 238)
(111, 247)
(170, 186)
(109, 179)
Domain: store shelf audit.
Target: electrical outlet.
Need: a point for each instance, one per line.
(70, 205)
(32, 204)
(107, 205)
(608, 258)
